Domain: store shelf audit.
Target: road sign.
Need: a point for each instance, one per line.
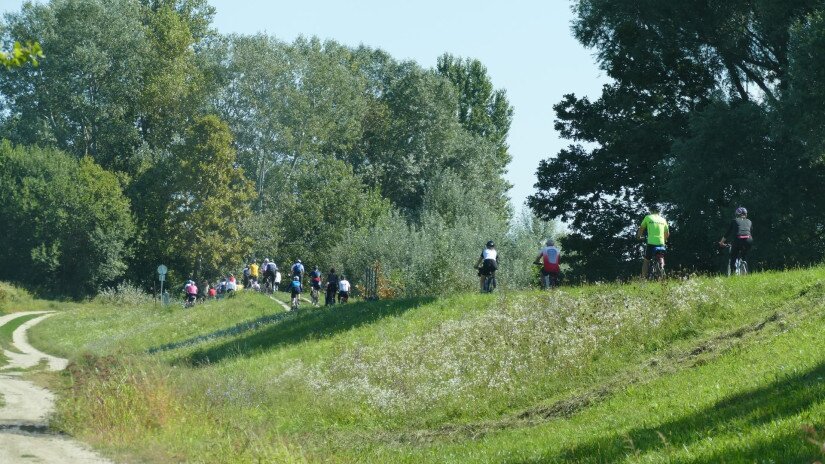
(162, 277)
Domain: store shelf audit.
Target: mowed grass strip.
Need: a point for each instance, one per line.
(7, 331)
(445, 379)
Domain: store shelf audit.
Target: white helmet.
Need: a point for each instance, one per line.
(550, 242)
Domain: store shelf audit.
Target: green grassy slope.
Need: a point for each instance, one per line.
(703, 370)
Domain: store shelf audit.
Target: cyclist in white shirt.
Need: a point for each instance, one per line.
(488, 262)
(343, 290)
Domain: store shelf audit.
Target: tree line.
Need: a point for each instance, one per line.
(711, 105)
(145, 136)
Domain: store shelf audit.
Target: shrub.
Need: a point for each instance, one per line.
(124, 294)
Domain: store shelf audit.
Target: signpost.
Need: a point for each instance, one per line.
(162, 277)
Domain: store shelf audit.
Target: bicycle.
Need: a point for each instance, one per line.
(547, 280)
(296, 302)
(489, 282)
(657, 264)
(740, 266)
(313, 294)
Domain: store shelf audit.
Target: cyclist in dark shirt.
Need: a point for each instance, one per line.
(741, 231)
(332, 287)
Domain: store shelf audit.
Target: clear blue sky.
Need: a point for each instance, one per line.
(526, 45)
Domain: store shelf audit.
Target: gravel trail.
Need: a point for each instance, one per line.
(24, 430)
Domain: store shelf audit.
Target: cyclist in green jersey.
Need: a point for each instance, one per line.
(656, 228)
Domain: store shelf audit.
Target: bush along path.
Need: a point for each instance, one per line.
(24, 432)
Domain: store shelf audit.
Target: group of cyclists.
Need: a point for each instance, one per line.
(334, 285)
(654, 230)
(738, 238)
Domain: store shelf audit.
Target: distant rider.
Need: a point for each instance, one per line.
(332, 287)
(488, 262)
(253, 271)
(191, 292)
(343, 290)
(295, 291)
(657, 230)
(549, 259)
(315, 280)
(298, 270)
(247, 275)
(269, 271)
(741, 229)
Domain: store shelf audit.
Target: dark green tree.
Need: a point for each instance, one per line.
(197, 200)
(696, 86)
(66, 221)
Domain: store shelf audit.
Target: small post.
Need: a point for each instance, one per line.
(162, 277)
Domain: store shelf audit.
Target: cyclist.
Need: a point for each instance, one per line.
(269, 273)
(657, 230)
(315, 283)
(295, 289)
(549, 259)
(277, 284)
(487, 263)
(343, 290)
(741, 229)
(191, 293)
(253, 271)
(298, 269)
(247, 274)
(332, 287)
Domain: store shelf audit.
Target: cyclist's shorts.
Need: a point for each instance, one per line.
(486, 271)
(652, 250)
(550, 273)
(316, 285)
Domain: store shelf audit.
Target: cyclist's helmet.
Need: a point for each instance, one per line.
(295, 278)
(741, 211)
(491, 244)
(298, 261)
(550, 242)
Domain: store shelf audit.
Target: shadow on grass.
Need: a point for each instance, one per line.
(308, 324)
(780, 399)
(236, 329)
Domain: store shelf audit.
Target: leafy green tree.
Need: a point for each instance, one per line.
(199, 199)
(696, 86)
(66, 221)
(327, 199)
(481, 109)
(289, 103)
(83, 99)
(21, 54)
(121, 74)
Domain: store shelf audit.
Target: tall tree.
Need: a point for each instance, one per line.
(675, 66)
(199, 199)
(66, 222)
(482, 110)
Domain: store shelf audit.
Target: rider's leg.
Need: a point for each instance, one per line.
(645, 267)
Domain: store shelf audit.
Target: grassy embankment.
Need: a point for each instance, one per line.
(704, 370)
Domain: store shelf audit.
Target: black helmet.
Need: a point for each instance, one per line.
(490, 244)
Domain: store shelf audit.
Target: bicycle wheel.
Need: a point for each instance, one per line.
(741, 267)
(657, 272)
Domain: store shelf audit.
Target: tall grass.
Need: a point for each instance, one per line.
(344, 381)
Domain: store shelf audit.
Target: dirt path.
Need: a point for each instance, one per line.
(24, 432)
